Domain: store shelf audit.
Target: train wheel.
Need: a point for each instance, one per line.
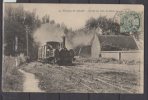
(52, 60)
(56, 53)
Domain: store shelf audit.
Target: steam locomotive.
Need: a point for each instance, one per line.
(55, 52)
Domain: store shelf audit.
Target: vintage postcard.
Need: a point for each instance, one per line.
(73, 48)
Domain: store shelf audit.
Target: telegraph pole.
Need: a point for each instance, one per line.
(16, 44)
(27, 47)
(27, 29)
(16, 50)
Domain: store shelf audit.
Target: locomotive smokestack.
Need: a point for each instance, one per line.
(64, 42)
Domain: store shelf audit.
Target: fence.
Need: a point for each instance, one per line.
(124, 55)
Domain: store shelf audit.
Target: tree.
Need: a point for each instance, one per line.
(52, 22)
(108, 26)
(15, 22)
(64, 28)
(45, 19)
(103, 23)
(91, 23)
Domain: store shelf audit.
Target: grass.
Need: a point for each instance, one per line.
(45, 76)
(52, 79)
(12, 79)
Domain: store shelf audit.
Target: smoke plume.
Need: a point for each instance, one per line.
(79, 39)
(52, 32)
(48, 32)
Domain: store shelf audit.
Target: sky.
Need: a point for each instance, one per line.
(75, 15)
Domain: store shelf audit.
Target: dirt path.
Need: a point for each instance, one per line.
(30, 82)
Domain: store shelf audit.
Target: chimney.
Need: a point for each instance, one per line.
(64, 42)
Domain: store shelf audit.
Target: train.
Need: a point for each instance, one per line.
(56, 53)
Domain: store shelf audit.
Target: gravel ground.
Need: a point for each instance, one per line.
(88, 77)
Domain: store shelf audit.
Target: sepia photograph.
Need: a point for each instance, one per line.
(73, 48)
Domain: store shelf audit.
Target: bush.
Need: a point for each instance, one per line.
(107, 60)
(12, 79)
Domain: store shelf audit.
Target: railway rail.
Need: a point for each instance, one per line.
(104, 80)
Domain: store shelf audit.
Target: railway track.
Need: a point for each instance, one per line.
(115, 85)
(76, 78)
(86, 82)
(119, 83)
(80, 80)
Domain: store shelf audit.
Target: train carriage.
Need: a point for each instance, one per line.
(55, 52)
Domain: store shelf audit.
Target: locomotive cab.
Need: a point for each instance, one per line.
(53, 51)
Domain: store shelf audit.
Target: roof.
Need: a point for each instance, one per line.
(120, 42)
(111, 43)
